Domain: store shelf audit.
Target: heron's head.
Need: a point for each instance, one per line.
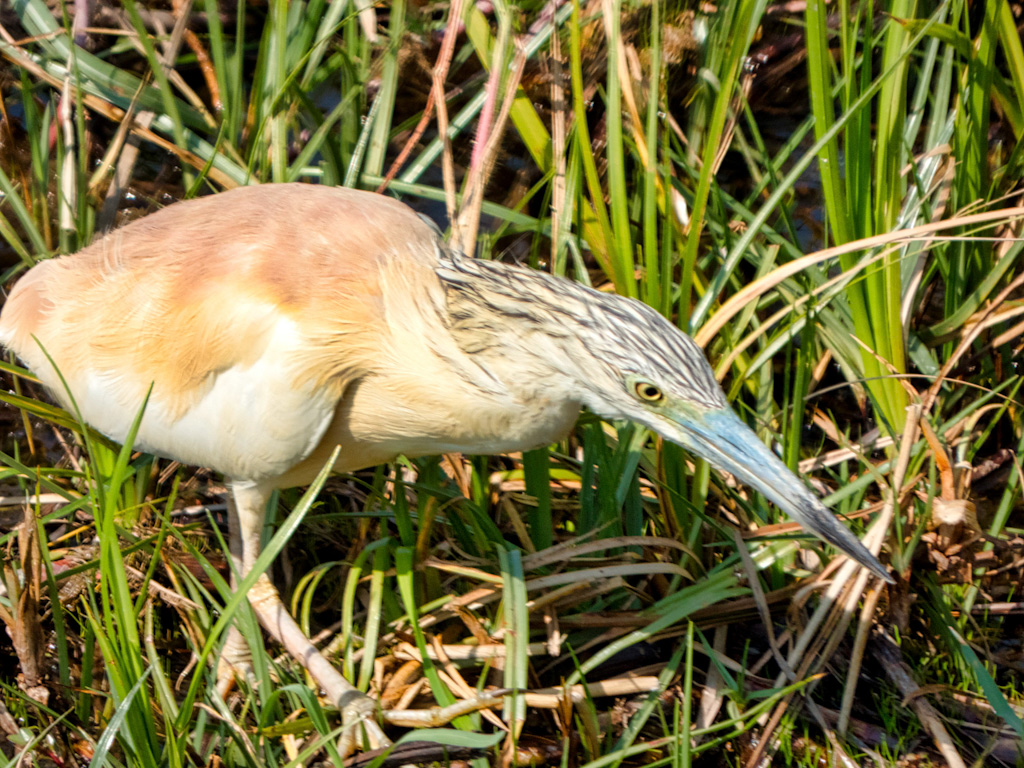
(638, 366)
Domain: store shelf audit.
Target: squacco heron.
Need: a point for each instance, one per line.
(277, 322)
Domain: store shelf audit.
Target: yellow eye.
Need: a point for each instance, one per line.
(648, 392)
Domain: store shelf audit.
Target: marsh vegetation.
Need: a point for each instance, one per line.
(827, 197)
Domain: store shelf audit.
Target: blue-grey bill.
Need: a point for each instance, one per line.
(729, 445)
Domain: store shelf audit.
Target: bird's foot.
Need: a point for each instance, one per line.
(235, 663)
(359, 712)
(435, 717)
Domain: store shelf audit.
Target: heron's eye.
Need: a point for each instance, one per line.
(648, 392)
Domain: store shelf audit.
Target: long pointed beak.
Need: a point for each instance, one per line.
(729, 445)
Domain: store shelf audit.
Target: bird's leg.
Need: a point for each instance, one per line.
(235, 659)
(357, 709)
